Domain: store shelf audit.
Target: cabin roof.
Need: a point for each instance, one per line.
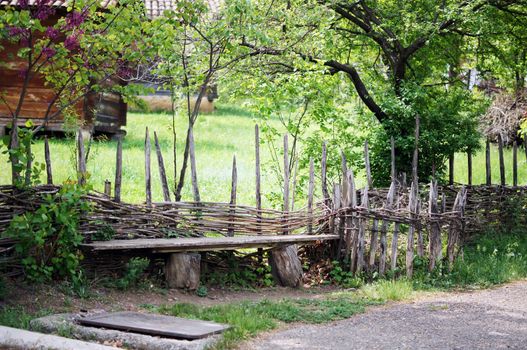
(154, 8)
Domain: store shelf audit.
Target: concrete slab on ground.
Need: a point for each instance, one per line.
(67, 322)
(152, 324)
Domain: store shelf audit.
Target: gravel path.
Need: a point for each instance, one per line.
(489, 319)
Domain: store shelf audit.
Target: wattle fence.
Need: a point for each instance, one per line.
(379, 229)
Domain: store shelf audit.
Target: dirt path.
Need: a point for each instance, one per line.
(489, 319)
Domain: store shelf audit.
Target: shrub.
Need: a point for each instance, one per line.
(48, 238)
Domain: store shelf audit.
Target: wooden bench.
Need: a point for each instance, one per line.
(182, 269)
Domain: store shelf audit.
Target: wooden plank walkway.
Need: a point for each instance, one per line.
(173, 245)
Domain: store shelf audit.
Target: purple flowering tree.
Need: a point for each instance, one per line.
(75, 53)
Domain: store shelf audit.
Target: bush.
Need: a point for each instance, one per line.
(48, 238)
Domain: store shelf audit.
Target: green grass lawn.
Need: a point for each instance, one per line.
(218, 136)
(478, 166)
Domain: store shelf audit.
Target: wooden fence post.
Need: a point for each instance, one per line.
(47, 157)
(469, 167)
(148, 179)
(351, 224)
(311, 188)
(453, 231)
(337, 224)
(502, 160)
(258, 193)
(488, 170)
(435, 229)
(413, 205)
(118, 170)
(162, 172)
(193, 167)
(515, 164)
(107, 188)
(286, 184)
(375, 225)
(384, 229)
(361, 231)
(234, 185)
(81, 159)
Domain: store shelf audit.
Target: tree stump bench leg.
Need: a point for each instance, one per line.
(182, 270)
(286, 266)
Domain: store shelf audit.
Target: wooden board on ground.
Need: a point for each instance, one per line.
(197, 244)
(156, 325)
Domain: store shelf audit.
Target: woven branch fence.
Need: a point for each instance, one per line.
(374, 225)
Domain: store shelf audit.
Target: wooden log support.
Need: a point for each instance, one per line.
(258, 188)
(286, 184)
(286, 266)
(310, 190)
(488, 170)
(107, 188)
(323, 166)
(81, 159)
(193, 167)
(469, 167)
(502, 161)
(515, 164)
(435, 245)
(118, 170)
(451, 170)
(162, 172)
(234, 185)
(182, 270)
(384, 229)
(47, 157)
(148, 178)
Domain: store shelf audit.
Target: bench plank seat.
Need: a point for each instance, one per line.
(199, 244)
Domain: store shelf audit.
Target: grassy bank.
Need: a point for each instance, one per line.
(218, 137)
(226, 132)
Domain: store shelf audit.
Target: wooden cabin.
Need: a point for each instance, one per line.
(99, 112)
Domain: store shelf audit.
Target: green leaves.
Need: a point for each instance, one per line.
(48, 239)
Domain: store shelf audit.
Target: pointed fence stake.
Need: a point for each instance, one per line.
(47, 156)
(310, 190)
(118, 170)
(286, 184)
(502, 160)
(162, 172)
(148, 178)
(234, 185)
(515, 164)
(81, 159)
(488, 170)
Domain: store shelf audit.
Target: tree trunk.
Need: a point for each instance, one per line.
(286, 266)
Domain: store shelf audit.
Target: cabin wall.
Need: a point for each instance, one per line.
(38, 95)
(104, 112)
